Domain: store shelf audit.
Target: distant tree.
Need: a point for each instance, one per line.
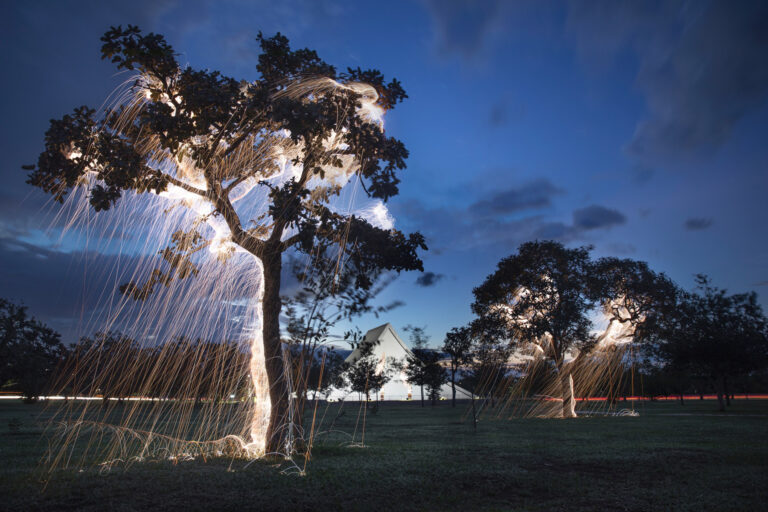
(543, 295)
(458, 345)
(415, 368)
(326, 374)
(435, 375)
(103, 365)
(488, 361)
(367, 373)
(715, 334)
(30, 351)
(115, 366)
(210, 137)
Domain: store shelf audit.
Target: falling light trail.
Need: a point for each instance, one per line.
(223, 301)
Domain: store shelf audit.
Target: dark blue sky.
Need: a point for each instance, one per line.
(638, 127)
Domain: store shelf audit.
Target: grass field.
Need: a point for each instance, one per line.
(672, 457)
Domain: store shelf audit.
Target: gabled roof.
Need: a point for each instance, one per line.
(373, 336)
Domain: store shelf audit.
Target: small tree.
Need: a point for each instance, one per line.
(415, 368)
(457, 344)
(488, 361)
(327, 295)
(331, 370)
(30, 351)
(435, 375)
(368, 373)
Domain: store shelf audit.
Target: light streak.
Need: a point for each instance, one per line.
(223, 302)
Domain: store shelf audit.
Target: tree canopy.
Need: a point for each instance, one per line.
(199, 132)
(541, 295)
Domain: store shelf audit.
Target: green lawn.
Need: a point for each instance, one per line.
(672, 457)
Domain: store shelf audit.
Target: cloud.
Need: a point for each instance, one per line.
(762, 283)
(62, 289)
(462, 26)
(461, 229)
(596, 217)
(429, 279)
(701, 65)
(621, 248)
(642, 174)
(534, 195)
(698, 223)
(498, 115)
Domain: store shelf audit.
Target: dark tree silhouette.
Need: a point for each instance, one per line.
(488, 361)
(713, 334)
(30, 351)
(415, 367)
(434, 374)
(212, 121)
(458, 345)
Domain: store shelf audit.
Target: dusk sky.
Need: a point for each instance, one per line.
(638, 127)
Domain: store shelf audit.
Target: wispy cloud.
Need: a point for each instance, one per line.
(698, 223)
(701, 65)
(428, 279)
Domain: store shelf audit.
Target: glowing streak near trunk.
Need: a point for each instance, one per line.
(262, 404)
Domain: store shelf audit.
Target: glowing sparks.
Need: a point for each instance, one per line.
(211, 306)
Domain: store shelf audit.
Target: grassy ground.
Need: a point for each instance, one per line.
(672, 457)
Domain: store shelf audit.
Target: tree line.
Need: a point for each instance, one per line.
(542, 303)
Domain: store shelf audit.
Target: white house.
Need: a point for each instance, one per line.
(387, 344)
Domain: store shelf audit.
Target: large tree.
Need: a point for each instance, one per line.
(217, 141)
(542, 296)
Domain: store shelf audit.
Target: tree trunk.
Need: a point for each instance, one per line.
(474, 414)
(569, 403)
(422, 395)
(725, 391)
(453, 388)
(681, 398)
(278, 428)
(719, 387)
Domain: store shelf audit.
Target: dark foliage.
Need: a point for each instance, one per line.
(30, 352)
